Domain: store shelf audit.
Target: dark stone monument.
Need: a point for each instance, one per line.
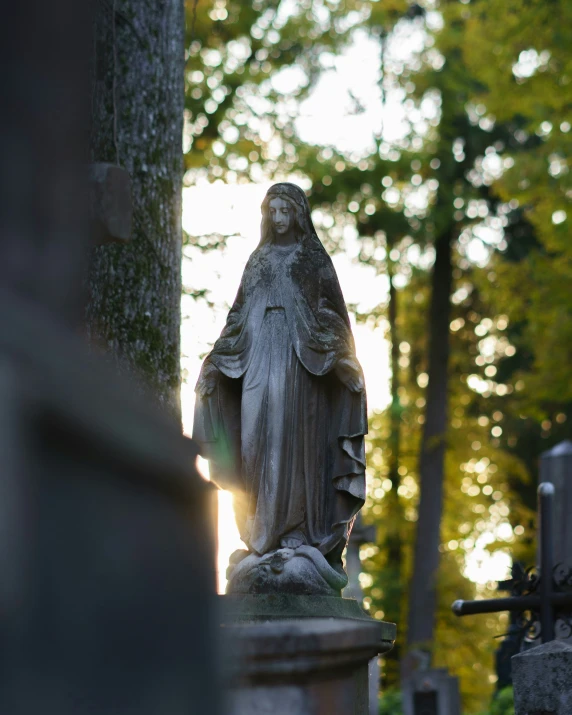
(431, 692)
(106, 548)
(281, 415)
(542, 679)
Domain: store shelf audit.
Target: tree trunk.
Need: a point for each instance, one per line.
(394, 536)
(133, 309)
(422, 597)
(394, 516)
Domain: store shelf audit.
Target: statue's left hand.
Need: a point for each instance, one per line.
(349, 372)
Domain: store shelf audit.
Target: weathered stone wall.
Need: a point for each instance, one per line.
(133, 308)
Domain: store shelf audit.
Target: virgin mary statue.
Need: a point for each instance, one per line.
(281, 410)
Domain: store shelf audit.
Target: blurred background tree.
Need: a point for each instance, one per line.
(524, 67)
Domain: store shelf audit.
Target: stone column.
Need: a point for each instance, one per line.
(134, 286)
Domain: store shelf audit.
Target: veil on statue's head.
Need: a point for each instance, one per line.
(295, 196)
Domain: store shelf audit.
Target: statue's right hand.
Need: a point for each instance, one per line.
(349, 372)
(207, 380)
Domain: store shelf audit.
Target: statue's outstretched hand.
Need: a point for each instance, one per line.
(349, 372)
(207, 380)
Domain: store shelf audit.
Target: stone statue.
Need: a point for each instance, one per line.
(281, 410)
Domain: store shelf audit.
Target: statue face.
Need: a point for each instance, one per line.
(281, 216)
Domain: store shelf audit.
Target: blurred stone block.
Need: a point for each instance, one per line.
(107, 551)
(542, 679)
(431, 692)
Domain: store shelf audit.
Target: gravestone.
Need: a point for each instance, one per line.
(542, 678)
(431, 692)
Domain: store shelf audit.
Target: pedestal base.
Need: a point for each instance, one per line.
(300, 655)
(238, 608)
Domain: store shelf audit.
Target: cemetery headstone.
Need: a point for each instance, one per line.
(542, 678)
(431, 692)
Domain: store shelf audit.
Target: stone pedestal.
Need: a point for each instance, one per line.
(300, 655)
(278, 606)
(431, 692)
(542, 679)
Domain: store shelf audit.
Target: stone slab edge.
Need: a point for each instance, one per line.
(255, 608)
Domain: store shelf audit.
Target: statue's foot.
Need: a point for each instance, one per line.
(293, 540)
(300, 571)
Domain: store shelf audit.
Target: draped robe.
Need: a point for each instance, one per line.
(280, 429)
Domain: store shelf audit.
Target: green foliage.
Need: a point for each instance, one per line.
(520, 52)
(236, 121)
(479, 496)
(481, 480)
(502, 704)
(390, 703)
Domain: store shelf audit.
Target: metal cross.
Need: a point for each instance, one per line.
(545, 595)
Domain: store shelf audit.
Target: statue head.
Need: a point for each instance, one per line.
(281, 214)
(286, 207)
